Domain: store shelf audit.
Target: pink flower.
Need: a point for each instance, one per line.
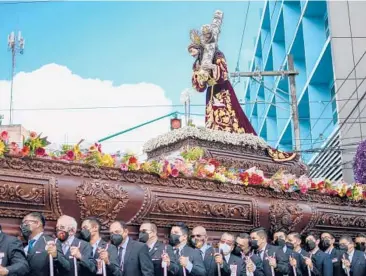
(174, 173)
(70, 155)
(124, 167)
(4, 136)
(40, 152)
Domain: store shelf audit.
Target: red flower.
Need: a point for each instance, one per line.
(244, 177)
(321, 185)
(255, 179)
(349, 193)
(132, 160)
(4, 136)
(174, 173)
(25, 151)
(70, 155)
(313, 186)
(40, 152)
(214, 162)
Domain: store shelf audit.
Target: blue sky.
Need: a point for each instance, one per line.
(124, 42)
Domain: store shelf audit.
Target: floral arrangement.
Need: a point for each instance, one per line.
(359, 165)
(177, 135)
(189, 163)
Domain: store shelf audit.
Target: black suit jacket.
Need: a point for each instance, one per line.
(137, 261)
(210, 264)
(234, 261)
(336, 258)
(112, 268)
(281, 258)
(358, 264)
(38, 259)
(87, 265)
(155, 255)
(12, 256)
(300, 263)
(196, 259)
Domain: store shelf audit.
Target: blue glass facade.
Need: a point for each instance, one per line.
(299, 28)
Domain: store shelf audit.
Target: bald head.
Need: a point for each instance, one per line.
(199, 236)
(67, 223)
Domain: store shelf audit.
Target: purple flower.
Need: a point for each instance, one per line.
(359, 165)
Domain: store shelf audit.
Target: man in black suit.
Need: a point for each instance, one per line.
(102, 251)
(12, 256)
(353, 261)
(273, 258)
(293, 258)
(75, 250)
(326, 245)
(252, 261)
(321, 260)
(133, 256)
(40, 247)
(361, 242)
(188, 258)
(161, 254)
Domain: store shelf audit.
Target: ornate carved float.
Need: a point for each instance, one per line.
(79, 190)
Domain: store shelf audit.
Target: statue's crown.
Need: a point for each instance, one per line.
(206, 29)
(195, 37)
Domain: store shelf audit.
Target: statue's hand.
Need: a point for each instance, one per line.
(208, 66)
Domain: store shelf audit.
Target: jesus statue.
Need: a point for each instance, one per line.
(223, 110)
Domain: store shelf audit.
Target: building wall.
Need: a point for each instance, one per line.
(299, 28)
(16, 133)
(347, 23)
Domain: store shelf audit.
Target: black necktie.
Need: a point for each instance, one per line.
(120, 250)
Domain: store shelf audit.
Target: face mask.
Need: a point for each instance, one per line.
(197, 243)
(62, 235)
(174, 239)
(361, 246)
(225, 248)
(116, 239)
(324, 245)
(26, 231)
(237, 251)
(143, 237)
(85, 235)
(254, 244)
(290, 245)
(280, 242)
(310, 245)
(343, 248)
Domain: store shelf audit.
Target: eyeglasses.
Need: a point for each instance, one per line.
(29, 221)
(227, 242)
(145, 231)
(196, 236)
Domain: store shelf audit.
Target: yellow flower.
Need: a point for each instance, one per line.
(107, 160)
(2, 148)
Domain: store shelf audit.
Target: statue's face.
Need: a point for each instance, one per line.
(207, 37)
(193, 52)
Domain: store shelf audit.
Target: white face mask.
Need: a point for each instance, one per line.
(225, 248)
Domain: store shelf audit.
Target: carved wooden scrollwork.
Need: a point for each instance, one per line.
(284, 216)
(342, 220)
(101, 199)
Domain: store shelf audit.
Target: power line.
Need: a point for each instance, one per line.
(242, 37)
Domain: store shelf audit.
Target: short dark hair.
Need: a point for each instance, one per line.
(38, 216)
(296, 235)
(153, 226)
(360, 235)
(261, 232)
(94, 222)
(183, 227)
(347, 238)
(316, 237)
(330, 234)
(243, 236)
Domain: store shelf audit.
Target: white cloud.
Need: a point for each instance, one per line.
(55, 86)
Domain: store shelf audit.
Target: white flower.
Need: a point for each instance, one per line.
(205, 134)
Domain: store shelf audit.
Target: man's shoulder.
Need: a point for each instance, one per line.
(235, 258)
(136, 244)
(8, 239)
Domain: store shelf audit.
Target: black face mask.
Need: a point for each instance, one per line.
(85, 235)
(26, 231)
(143, 237)
(310, 245)
(116, 239)
(254, 244)
(237, 251)
(62, 235)
(174, 239)
(324, 245)
(343, 248)
(280, 242)
(361, 246)
(290, 245)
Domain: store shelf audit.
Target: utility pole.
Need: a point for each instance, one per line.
(291, 73)
(15, 45)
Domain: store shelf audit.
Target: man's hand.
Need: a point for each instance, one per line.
(75, 252)
(272, 261)
(52, 249)
(3, 271)
(165, 258)
(346, 263)
(219, 259)
(308, 262)
(293, 262)
(250, 266)
(183, 261)
(104, 256)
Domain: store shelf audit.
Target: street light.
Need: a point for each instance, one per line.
(16, 46)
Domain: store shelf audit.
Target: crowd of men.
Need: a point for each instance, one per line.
(187, 254)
